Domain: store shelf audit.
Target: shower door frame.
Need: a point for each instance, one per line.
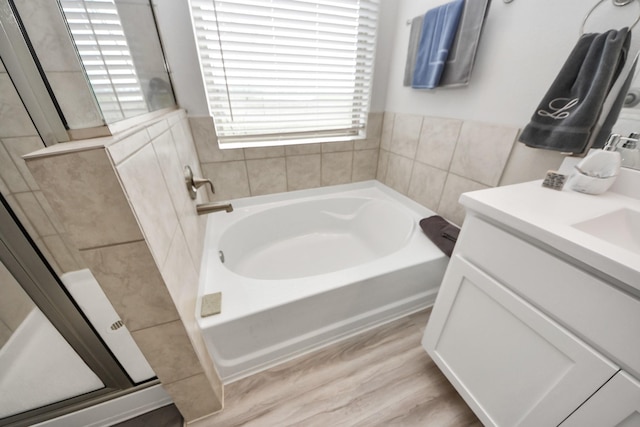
(28, 266)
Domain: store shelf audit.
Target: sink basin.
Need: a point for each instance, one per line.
(620, 227)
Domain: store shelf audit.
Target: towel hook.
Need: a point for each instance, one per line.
(615, 3)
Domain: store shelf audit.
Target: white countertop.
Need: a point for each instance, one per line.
(547, 215)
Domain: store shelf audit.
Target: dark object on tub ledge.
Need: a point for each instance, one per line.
(441, 232)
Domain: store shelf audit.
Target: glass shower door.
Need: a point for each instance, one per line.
(37, 365)
(51, 360)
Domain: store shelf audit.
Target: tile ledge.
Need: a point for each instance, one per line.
(103, 142)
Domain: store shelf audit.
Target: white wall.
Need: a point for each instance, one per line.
(523, 46)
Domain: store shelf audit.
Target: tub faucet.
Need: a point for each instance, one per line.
(206, 208)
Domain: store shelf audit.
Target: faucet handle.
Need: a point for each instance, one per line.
(194, 183)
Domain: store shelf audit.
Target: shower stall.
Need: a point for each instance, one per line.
(69, 69)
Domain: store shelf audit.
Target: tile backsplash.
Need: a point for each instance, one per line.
(434, 160)
(256, 171)
(430, 159)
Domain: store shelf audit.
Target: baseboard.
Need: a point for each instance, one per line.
(114, 411)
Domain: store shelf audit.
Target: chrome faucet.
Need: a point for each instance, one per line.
(206, 208)
(630, 142)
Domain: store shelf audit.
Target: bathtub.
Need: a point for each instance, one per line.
(304, 269)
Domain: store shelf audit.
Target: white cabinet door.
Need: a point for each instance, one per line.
(616, 404)
(512, 364)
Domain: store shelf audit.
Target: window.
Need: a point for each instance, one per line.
(286, 71)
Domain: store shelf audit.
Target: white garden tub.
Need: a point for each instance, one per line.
(307, 268)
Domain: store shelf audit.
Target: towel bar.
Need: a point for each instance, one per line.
(618, 3)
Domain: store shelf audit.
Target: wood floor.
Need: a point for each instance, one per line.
(379, 378)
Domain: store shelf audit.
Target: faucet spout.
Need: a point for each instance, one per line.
(206, 208)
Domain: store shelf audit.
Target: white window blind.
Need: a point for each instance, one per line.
(286, 71)
(97, 32)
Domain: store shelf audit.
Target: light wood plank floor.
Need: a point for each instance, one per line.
(382, 377)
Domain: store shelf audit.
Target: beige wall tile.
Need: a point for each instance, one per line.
(48, 255)
(263, 152)
(142, 179)
(482, 152)
(300, 149)
(303, 172)
(331, 147)
(11, 174)
(366, 144)
(22, 217)
(374, 125)
(3, 187)
(204, 136)
(365, 165)
(455, 185)
(337, 168)
(187, 153)
(387, 130)
(127, 146)
(528, 164)
(194, 397)
(158, 128)
(168, 350)
(426, 185)
(267, 176)
(406, 134)
(230, 179)
(18, 147)
(36, 214)
(49, 35)
(399, 173)
(438, 141)
(130, 278)
(383, 165)
(75, 98)
(15, 304)
(5, 334)
(61, 253)
(180, 276)
(173, 172)
(182, 281)
(49, 212)
(11, 107)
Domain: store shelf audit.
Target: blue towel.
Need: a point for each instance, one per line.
(439, 28)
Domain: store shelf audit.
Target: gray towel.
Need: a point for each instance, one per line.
(414, 38)
(457, 70)
(568, 113)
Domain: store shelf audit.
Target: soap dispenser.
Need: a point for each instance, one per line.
(596, 172)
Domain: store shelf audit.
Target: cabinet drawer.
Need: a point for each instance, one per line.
(604, 316)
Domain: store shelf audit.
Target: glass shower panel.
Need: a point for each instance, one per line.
(37, 366)
(118, 44)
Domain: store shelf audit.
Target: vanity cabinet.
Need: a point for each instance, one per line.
(617, 403)
(527, 338)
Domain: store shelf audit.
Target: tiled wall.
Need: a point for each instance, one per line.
(434, 160)
(431, 160)
(18, 136)
(15, 304)
(142, 239)
(256, 171)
